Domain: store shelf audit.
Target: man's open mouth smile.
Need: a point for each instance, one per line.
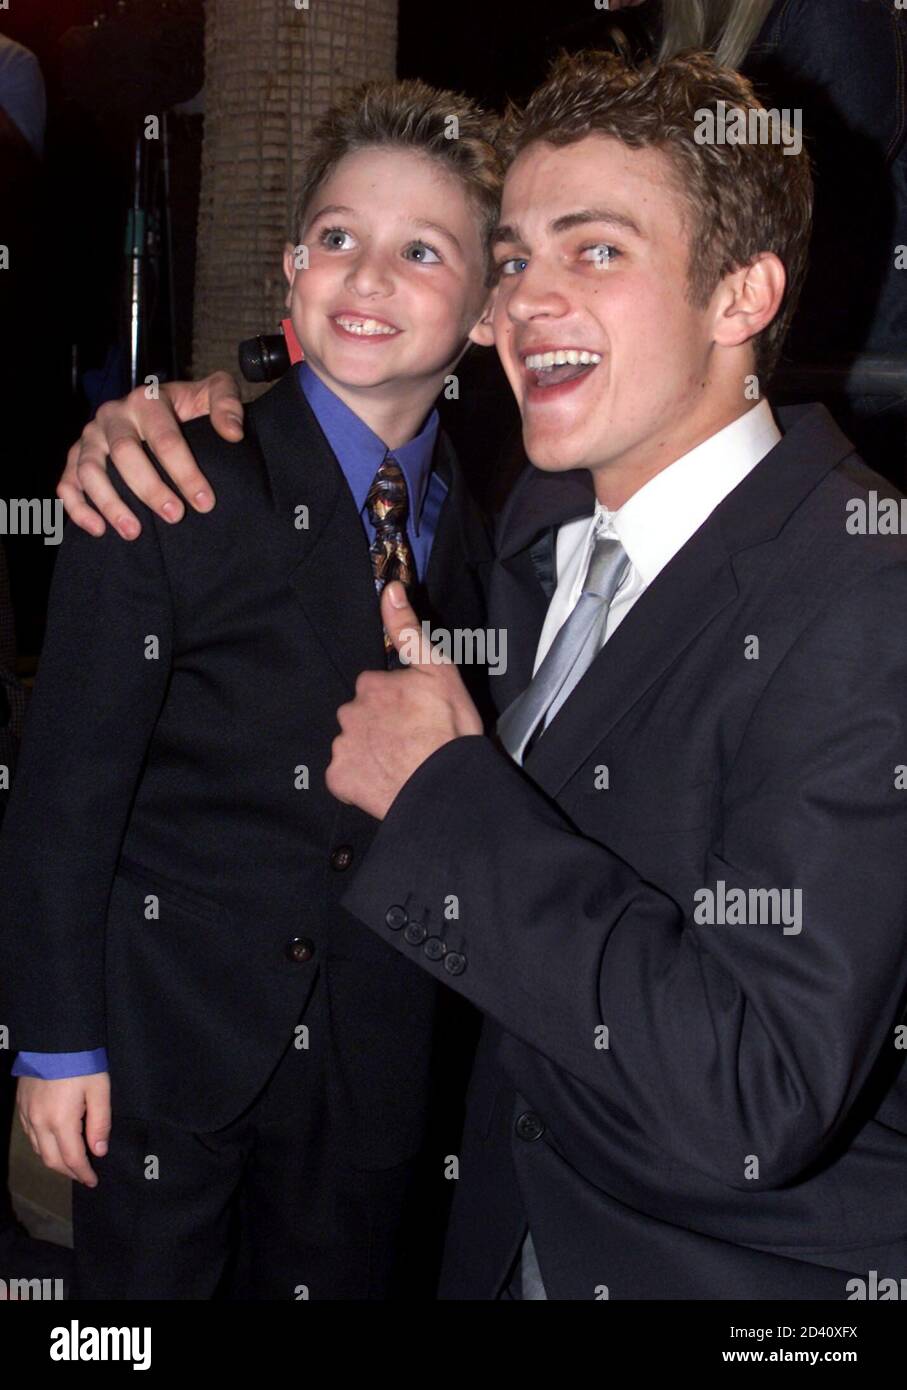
(550, 368)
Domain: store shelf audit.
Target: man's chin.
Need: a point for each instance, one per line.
(551, 454)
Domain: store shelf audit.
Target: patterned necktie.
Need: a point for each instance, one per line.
(572, 652)
(388, 507)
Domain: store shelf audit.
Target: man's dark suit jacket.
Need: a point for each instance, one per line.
(187, 692)
(741, 1129)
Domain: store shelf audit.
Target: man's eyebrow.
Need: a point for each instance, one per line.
(584, 215)
(511, 232)
(506, 233)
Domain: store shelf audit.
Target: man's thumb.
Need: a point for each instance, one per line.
(401, 624)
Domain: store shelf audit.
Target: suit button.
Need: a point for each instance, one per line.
(529, 1127)
(415, 934)
(341, 857)
(435, 948)
(299, 950)
(396, 917)
(454, 963)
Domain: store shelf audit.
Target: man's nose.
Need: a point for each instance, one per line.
(537, 293)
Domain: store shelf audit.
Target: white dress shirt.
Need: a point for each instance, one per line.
(659, 519)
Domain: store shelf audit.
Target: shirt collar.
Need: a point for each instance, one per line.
(360, 452)
(660, 518)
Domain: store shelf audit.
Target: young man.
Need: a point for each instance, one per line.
(683, 913)
(680, 881)
(177, 970)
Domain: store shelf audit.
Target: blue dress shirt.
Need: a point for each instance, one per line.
(360, 454)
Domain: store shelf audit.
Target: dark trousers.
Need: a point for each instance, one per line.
(268, 1208)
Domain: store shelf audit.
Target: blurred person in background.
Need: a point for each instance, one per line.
(22, 95)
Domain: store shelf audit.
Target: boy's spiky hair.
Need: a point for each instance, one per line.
(445, 126)
(741, 199)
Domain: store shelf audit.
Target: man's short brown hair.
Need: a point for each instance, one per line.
(742, 199)
(445, 126)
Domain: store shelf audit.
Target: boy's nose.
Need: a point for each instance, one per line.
(369, 275)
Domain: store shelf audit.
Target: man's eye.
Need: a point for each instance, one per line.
(600, 254)
(421, 252)
(335, 239)
(512, 266)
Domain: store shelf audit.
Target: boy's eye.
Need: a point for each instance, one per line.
(335, 239)
(421, 252)
(600, 254)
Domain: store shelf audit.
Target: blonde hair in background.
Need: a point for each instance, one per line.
(726, 28)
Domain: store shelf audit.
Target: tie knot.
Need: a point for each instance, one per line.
(607, 565)
(387, 501)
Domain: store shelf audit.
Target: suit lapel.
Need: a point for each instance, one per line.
(327, 562)
(517, 604)
(684, 598)
(525, 573)
(449, 551)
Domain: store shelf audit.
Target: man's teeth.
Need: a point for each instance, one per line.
(365, 326)
(564, 357)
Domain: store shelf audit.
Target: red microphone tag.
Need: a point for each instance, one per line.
(293, 345)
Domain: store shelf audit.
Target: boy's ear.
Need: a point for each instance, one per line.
(748, 299)
(289, 267)
(482, 331)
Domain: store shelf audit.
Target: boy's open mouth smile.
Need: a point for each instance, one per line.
(550, 368)
(364, 326)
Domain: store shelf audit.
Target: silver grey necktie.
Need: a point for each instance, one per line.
(572, 652)
(570, 655)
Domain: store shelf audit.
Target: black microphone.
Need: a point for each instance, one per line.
(264, 358)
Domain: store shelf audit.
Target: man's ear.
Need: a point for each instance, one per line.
(289, 269)
(482, 331)
(748, 299)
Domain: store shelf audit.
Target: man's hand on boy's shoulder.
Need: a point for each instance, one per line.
(116, 435)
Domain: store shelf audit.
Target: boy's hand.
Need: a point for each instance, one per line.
(117, 431)
(52, 1113)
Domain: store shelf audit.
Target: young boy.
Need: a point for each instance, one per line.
(251, 1067)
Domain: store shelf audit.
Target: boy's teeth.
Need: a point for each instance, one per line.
(563, 357)
(366, 326)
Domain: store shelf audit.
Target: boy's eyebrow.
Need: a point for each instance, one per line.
(436, 227)
(512, 233)
(333, 208)
(330, 208)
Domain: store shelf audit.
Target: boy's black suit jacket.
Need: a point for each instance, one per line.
(741, 1129)
(173, 764)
